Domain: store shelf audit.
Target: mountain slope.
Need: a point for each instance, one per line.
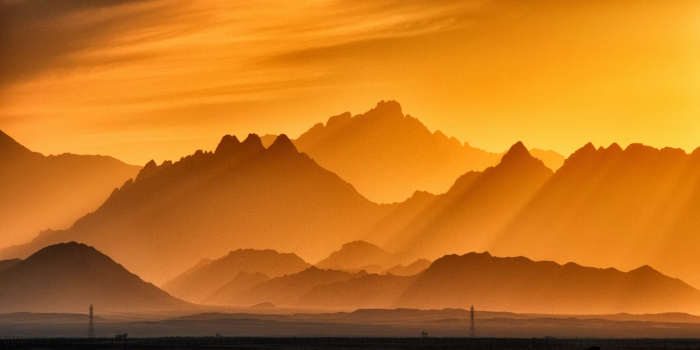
(615, 207)
(523, 285)
(68, 277)
(241, 195)
(203, 280)
(39, 192)
(471, 213)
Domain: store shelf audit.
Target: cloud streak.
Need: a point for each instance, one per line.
(101, 66)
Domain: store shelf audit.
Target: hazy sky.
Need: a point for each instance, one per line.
(161, 78)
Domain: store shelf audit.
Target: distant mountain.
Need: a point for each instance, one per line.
(203, 280)
(615, 207)
(39, 192)
(468, 216)
(387, 155)
(228, 294)
(411, 269)
(289, 289)
(241, 195)
(361, 255)
(523, 285)
(68, 277)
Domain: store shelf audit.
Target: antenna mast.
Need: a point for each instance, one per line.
(472, 328)
(91, 327)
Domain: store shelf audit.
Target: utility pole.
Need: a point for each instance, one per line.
(91, 327)
(472, 328)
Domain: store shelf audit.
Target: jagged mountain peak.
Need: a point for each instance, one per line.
(252, 144)
(253, 139)
(518, 153)
(227, 144)
(282, 144)
(613, 148)
(336, 120)
(645, 270)
(517, 149)
(388, 108)
(587, 148)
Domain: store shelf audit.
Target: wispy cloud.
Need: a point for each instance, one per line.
(103, 65)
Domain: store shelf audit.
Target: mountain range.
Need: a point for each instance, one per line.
(614, 207)
(605, 206)
(469, 214)
(68, 277)
(40, 192)
(205, 204)
(388, 155)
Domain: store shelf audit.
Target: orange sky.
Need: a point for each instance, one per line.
(158, 79)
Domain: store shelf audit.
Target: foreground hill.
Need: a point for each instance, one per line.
(68, 277)
(241, 195)
(39, 192)
(615, 207)
(361, 255)
(204, 279)
(470, 214)
(523, 285)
